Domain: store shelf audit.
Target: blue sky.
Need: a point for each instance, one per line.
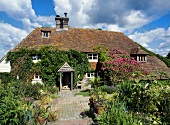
(146, 22)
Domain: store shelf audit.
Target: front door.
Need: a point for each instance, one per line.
(66, 80)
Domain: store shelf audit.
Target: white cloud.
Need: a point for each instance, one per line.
(46, 20)
(77, 11)
(17, 9)
(28, 25)
(163, 52)
(165, 44)
(135, 20)
(10, 37)
(62, 6)
(150, 37)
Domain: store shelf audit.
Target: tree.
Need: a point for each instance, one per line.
(121, 66)
(168, 56)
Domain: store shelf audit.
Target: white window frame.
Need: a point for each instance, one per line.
(92, 57)
(90, 75)
(45, 34)
(37, 79)
(37, 76)
(35, 58)
(142, 58)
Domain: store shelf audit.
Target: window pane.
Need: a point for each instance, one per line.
(88, 75)
(92, 74)
(34, 57)
(45, 34)
(89, 56)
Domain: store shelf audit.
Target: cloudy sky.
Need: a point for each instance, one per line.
(145, 21)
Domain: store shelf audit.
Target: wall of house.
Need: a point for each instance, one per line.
(5, 66)
(93, 65)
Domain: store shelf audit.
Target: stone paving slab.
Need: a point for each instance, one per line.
(73, 122)
(70, 109)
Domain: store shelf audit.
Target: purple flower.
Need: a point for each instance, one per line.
(30, 99)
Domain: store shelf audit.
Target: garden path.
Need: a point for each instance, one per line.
(70, 109)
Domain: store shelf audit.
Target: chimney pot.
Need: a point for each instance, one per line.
(65, 14)
(61, 22)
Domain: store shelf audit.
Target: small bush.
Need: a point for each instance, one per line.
(108, 89)
(52, 89)
(116, 114)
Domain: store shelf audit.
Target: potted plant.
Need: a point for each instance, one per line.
(43, 115)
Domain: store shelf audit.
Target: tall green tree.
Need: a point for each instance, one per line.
(168, 56)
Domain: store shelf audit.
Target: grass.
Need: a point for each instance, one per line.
(83, 93)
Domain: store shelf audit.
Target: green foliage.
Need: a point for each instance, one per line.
(51, 60)
(164, 59)
(83, 93)
(108, 89)
(28, 114)
(16, 102)
(120, 66)
(168, 55)
(102, 53)
(9, 104)
(21, 63)
(5, 77)
(95, 82)
(150, 98)
(116, 114)
(9, 111)
(23, 90)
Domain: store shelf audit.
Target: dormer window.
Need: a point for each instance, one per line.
(45, 34)
(92, 57)
(141, 58)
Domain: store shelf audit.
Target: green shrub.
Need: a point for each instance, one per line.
(27, 89)
(9, 111)
(151, 98)
(108, 89)
(52, 89)
(116, 114)
(28, 114)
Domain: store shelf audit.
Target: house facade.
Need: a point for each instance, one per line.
(66, 38)
(4, 65)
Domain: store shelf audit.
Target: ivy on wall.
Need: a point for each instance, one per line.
(51, 60)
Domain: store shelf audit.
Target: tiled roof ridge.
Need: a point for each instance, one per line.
(77, 28)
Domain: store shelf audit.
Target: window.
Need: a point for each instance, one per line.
(45, 34)
(37, 79)
(93, 57)
(35, 58)
(141, 58)
(91, 75)
(37, 76)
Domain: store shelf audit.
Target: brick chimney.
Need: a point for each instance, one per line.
(61, 22)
